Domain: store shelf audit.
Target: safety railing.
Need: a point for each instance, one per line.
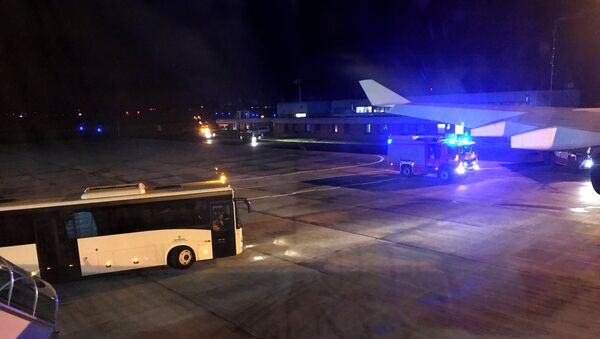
(27, 294)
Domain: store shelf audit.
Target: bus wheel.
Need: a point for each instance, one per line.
(406, 170)
(181, 257)
(595, 177)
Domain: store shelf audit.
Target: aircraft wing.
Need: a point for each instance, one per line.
(536, 128)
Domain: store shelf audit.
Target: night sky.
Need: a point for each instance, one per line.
(105, 55)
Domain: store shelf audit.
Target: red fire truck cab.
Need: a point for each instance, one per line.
(448, 157)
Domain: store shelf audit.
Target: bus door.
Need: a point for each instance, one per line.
(222, 229)
(57, 251)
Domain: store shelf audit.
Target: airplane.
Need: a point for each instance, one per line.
(533, 128)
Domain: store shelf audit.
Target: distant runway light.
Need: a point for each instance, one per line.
(258, 258)
(291, 253)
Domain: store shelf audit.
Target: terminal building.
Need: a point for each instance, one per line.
(357, 120)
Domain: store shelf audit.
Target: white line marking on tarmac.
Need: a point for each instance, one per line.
(367, 172)
(320, 189)
(381, 159)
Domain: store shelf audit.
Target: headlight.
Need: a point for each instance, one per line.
(587, 163)
(460, 169)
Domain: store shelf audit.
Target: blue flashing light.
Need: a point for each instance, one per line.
(81, 128)
(389, 141)
(452, 140)
(99, 129)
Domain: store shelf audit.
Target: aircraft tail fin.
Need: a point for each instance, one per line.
(380, 95)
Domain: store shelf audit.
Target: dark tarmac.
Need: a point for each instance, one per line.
(338, 246)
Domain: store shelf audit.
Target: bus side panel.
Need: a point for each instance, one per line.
(127, 251)
(88, 256)
(239, 241)
(25, 256)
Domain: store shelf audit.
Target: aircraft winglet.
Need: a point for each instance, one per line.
(380, 95)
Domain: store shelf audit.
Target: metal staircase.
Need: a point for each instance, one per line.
(28, 304)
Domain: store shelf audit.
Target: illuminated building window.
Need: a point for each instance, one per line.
(441, 128)
(367, 128)
(335, 128)
(306, 127)
(364, 109)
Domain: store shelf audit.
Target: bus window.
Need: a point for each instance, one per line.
(81, 225)
(16, 229)
(220, 209)
(191, 213)
(220, 216)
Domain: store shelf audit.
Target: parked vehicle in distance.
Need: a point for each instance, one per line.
(580, 159)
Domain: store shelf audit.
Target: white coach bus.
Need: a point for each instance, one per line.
(116, 228)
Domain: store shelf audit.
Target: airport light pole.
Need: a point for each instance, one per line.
(299, 84)
(553, 56)
(554, 41)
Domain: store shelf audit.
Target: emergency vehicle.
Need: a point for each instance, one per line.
(447, 157)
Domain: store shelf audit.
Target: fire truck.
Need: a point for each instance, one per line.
(448, 157)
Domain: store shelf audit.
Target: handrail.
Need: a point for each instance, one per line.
(55, 302)
(10, 283)
(16, 275)
(37, 294)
